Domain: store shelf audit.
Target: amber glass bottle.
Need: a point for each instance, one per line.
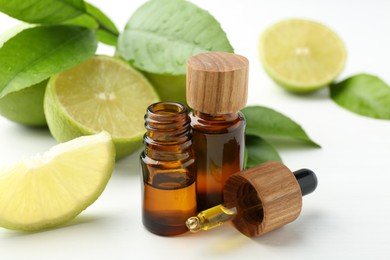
(217, 86)
(168, 169)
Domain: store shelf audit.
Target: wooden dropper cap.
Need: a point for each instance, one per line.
(267, 196)
(217, 82)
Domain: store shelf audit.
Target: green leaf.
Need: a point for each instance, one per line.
(259, 151)
(106, 37)
(162, 34)
(43, 11)
(105, 29)
(84, 20)
(8, 34)
(105, 23)
(363, 94)
(262, 122)
(37, 53)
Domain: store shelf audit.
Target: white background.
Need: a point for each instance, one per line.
(348, 217)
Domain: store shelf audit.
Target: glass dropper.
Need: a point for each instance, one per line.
(218, 215)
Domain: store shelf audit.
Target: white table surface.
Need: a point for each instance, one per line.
(348, 217)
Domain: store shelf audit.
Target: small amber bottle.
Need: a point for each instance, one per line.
(217, 86)
(168, 169)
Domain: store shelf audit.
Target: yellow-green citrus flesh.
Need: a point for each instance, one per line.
(102, 93)
(302, 55)
(51, 189)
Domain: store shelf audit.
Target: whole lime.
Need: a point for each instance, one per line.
(25, 106)
(169, 87)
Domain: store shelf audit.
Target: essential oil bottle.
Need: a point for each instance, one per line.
(168, 169)
(217, 86)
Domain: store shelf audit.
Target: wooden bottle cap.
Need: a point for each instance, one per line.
(276, 188)
(217, 82)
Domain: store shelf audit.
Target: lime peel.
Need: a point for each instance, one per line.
(25, 106)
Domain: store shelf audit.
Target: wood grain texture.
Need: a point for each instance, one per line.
(217, 82)
(278, 191)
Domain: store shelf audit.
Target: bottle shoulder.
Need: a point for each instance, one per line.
(217, 124)
(166, 163)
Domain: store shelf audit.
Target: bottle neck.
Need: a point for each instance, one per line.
(221, 123)
(168, 131)
(217, 118)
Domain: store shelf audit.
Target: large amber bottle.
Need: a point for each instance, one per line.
(217, 87)
(168, 169)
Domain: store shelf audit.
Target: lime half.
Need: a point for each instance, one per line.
(302, 55)
(102, 93)
(52, 188)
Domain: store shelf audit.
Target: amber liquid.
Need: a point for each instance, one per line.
(166, 211)
(219, 151)
(169, 198)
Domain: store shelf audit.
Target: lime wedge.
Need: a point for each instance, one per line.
(301, 55)
(50, 189)
(102, 93)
